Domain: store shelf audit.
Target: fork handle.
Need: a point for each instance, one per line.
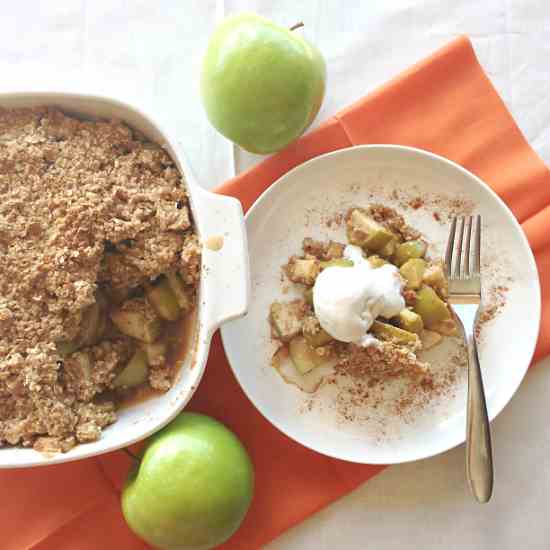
(479, 459)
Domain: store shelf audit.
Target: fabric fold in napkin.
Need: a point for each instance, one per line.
(444, 104)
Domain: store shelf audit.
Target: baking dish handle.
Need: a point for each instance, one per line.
(225, 286)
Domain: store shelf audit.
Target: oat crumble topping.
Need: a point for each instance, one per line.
(86, 206)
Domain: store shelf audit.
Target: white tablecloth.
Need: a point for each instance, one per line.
(148, 54)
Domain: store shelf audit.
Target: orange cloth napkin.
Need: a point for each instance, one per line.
(444, 104)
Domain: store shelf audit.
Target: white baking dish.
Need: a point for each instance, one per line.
(224, 288)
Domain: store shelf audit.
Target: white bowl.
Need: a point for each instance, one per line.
(298, 205)
(223, 294)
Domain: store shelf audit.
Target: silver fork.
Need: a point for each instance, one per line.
(463, 265)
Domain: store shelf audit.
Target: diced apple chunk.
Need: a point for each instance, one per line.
(376, 261)
(408, 250)
(304, 357)
(389, 248)
(430, 307)
(321, 338)
(93, 322)
(366, 232)
(413, 270)
(384, 331)
(287, 319)
(89, 325)
(435, 277)
(410, 321)
(308, 382)
(137, 318)
(134, 373)
(303, 270)
(183, 293)
(163, 300)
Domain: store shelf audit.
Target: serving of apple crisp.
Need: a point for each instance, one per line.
(369, 305)
(98, 259)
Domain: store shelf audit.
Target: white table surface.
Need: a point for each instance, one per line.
(148, 53)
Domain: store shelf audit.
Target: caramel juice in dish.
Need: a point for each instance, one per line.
(181, 336)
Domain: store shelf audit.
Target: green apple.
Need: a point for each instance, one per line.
(192, 487)
(262, 84)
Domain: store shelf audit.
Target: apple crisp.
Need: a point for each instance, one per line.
(388, 347)
(98, 255)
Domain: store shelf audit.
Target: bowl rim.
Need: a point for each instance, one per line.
(266, 195)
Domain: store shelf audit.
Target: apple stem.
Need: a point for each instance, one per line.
(131, 455)
(297, 25)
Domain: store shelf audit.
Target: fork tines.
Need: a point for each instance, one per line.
(462, 258)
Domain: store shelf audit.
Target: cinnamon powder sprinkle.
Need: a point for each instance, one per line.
(495, 301)
(416, 203)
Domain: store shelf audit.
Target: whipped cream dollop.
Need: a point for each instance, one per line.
(347, 300)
